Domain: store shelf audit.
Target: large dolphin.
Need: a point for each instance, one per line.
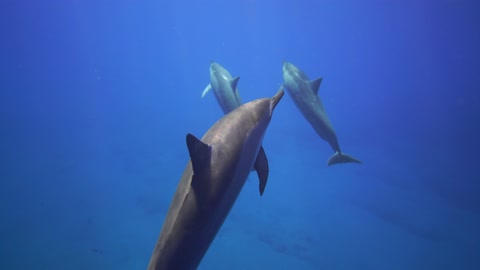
(218, 168)
(304, 93)
(224, 87)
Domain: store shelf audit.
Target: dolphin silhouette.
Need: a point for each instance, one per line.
(224, 87)
(304, 93)
(218, 168)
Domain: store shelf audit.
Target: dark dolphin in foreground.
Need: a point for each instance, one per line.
(224, 87)
(218, 168)
(304, 93)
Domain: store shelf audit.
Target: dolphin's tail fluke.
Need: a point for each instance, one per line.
(340, 157)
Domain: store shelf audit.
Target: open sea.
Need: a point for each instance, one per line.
(96, 98)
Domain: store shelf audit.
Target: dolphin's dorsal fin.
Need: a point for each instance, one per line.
(315, 85)
(205, 91)
(234, 82)
(200, 155)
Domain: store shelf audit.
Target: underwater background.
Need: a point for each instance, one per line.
(96, 98)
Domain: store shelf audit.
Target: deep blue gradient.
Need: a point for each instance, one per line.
(96, 98)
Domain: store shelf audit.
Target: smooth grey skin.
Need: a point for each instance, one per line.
(224, 87)
(228, 97)
(304, 93)
(219, 166)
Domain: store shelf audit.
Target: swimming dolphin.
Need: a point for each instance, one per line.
(304, 93)
(226, 92)
(224, 87)
(218, 168)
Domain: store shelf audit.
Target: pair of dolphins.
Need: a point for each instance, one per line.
(219, 166)
(304, 93)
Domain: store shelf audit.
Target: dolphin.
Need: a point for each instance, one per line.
(226, 92)
(211, 182)
(304, 93)
(224, 87)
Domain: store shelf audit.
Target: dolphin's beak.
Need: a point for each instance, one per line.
(275, 99)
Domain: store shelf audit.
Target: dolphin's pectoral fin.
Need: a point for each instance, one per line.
(340, 157)
(206, 90)
(261, 166)
(315, 85)
(234, 82)
(200, 155)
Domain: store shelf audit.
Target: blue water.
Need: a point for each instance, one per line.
(96, 98)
